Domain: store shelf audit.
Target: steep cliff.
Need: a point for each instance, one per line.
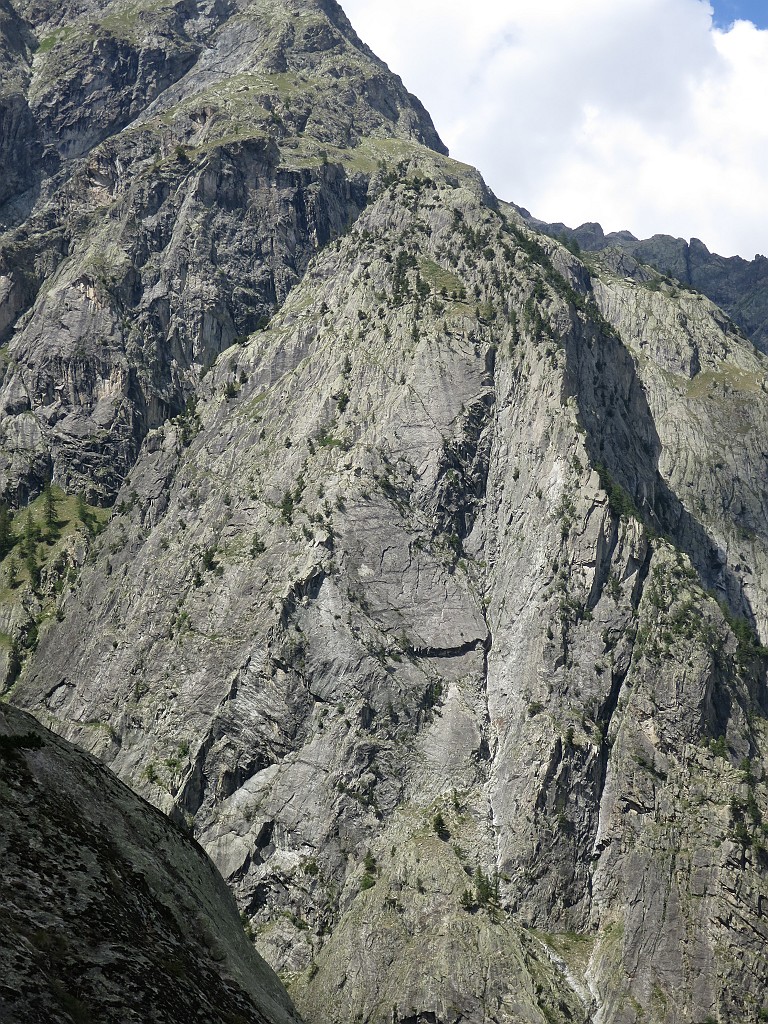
(109, 913)
(419, 630)
(438, 615)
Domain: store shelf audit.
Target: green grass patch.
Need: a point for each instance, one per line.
(440, 279)
(71, 515)
(727, 376)
(60, 35)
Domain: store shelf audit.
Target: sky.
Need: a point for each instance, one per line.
(646, 115)
(728, 11)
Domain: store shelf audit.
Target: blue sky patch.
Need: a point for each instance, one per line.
(728, 11)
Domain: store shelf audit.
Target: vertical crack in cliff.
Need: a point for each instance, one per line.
(581, 991)
(608, 708)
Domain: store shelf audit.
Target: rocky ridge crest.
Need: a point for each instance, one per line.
(737, 285)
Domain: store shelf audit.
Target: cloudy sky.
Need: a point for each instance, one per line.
(641, 114)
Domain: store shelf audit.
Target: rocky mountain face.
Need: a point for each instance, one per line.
(738, 286)
(438, 614)
(109, 913)
(169, 171)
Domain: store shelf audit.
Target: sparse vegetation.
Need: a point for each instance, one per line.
(619, 499)
(485, 893)
(440, 828)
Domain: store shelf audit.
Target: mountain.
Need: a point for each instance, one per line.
(171, 170)
(738, 286)
(109, 913)
(437, 608)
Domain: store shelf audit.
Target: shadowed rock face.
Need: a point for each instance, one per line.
(17, 128)
(109, 913)
(437, 614)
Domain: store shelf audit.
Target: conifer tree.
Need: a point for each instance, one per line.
(6, 531)
(29, 541)
(49, 510)
(33, 566)
(482, 887)
(81, 508)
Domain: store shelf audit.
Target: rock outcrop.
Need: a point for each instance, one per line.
(419, 630)
(109, 913)
(738, 286)
(179, 167)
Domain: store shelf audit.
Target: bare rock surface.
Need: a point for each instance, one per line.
(417, 628)
(737, 285)
(170, 170)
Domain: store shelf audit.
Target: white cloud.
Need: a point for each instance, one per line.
(638, 113)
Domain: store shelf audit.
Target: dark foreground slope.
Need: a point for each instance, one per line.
(107, 912)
